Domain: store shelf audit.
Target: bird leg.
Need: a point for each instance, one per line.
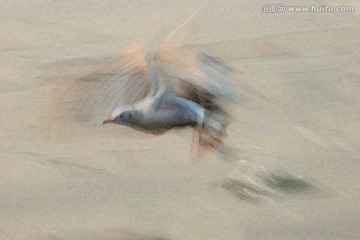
(195, 141)
(202, 140)
(205, 138)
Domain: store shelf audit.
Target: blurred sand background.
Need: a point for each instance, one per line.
(300, 117)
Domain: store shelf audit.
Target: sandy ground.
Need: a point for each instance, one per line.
(294, 173)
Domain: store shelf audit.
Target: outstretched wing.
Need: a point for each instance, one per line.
(88, 89)
(190, 71)
(196, 73)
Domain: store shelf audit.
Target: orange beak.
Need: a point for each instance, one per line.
(106, 121)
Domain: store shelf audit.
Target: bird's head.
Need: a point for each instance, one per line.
(122, 115)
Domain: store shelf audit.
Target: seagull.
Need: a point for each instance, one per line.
(152, 88)
(190, 102)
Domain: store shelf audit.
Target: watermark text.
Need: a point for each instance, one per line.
(281, 8)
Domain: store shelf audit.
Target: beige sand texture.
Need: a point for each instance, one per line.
(294, 172)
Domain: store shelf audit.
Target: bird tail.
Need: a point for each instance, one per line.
(215, 123)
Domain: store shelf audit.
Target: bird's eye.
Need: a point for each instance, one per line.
(121, 116)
